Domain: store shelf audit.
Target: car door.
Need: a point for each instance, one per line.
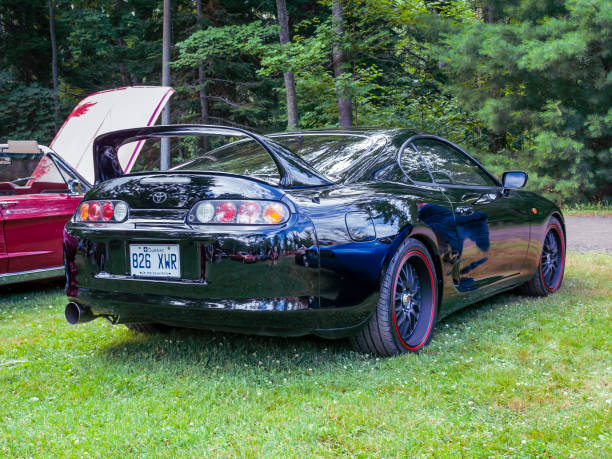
(492, 223)
(3, 254)
(33, 228)
(35, 213)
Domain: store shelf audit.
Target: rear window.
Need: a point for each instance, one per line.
(27, 173)
(334, 156)
(212, 153)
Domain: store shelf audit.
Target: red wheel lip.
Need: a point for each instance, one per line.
(433, 307)
(552, 289)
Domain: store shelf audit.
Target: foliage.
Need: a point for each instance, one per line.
(540, 79)
(31, 102)
(519, 84)
(601, 208)
(511, 375)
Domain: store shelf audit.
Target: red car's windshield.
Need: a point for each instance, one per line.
(27, 173)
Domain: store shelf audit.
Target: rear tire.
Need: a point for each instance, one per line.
(407, 306)
(549, 275)
(148, 328)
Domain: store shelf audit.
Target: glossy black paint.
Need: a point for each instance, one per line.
(320, 271)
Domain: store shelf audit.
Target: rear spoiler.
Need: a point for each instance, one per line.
(294, 171)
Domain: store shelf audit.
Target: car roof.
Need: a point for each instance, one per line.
(361, 131)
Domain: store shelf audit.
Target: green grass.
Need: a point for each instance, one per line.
(511, 376)
(584, 210)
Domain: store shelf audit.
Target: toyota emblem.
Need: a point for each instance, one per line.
(159, 197)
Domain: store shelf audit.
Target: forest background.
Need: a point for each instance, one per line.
(520, 84)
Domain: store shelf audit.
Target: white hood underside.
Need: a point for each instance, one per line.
(107, 111)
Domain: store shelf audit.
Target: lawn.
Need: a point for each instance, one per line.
(603, 209)
(510, 376)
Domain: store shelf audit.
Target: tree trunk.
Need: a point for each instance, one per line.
(54, 65)
(345, 114)
(125, 76)
(204, 118)
(202, 75)
(292, 110)
(165, 142)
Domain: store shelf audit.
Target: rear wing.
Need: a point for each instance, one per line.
(294, 171)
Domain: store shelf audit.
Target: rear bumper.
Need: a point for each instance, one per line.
(293, 316)
(278, 292)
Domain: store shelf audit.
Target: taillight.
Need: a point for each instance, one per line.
(225, 212)
(102, 211)
(239, 212)
(94, 210)
(84, 211)
(108, 210)
(273, 213)
(249, 212)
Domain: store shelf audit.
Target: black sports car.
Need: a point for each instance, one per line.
(373, 234)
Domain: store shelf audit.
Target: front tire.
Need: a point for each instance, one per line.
(406, 312)
(549, 275)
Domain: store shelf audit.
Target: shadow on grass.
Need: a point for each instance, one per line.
(33, 287)
(230, 351)
(13, 296)
(234, 352)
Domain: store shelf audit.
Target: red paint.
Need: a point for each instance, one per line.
(69, 116)
(433, 306)
(33, 226)
(81, 109)
(562, 259)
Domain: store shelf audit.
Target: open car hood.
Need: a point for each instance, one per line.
(103, 112)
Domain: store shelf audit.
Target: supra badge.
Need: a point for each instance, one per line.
(159, 197)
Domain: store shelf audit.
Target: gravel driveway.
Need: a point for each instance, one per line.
(589, 233)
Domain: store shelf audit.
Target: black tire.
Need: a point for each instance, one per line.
(148, 328)
(407, 306)
(549, 275)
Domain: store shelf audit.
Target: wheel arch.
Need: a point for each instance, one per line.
(559, 216)
(425, 236)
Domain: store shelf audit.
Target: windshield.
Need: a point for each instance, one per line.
(27, 173)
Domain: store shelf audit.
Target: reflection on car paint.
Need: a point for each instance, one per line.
(322, 268)
(453, 230)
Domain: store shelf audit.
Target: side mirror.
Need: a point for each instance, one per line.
(75, 187)
(514, 179)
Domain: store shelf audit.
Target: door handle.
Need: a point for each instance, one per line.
(464, 210)
(6, 204)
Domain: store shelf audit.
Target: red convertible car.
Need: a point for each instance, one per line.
(41, 187)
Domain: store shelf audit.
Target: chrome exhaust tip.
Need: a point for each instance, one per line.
(77, 314)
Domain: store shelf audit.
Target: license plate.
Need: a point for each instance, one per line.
(155, 260)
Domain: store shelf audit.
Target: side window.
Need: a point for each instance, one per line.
(413, 166)
(449, 166)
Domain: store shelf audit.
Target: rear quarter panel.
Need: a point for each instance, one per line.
(351, 270)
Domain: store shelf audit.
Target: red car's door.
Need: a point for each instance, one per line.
(35, 204)
(33, 226)
(3, 254)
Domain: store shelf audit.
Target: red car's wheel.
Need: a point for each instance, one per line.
(406, 312)
(549, 275)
